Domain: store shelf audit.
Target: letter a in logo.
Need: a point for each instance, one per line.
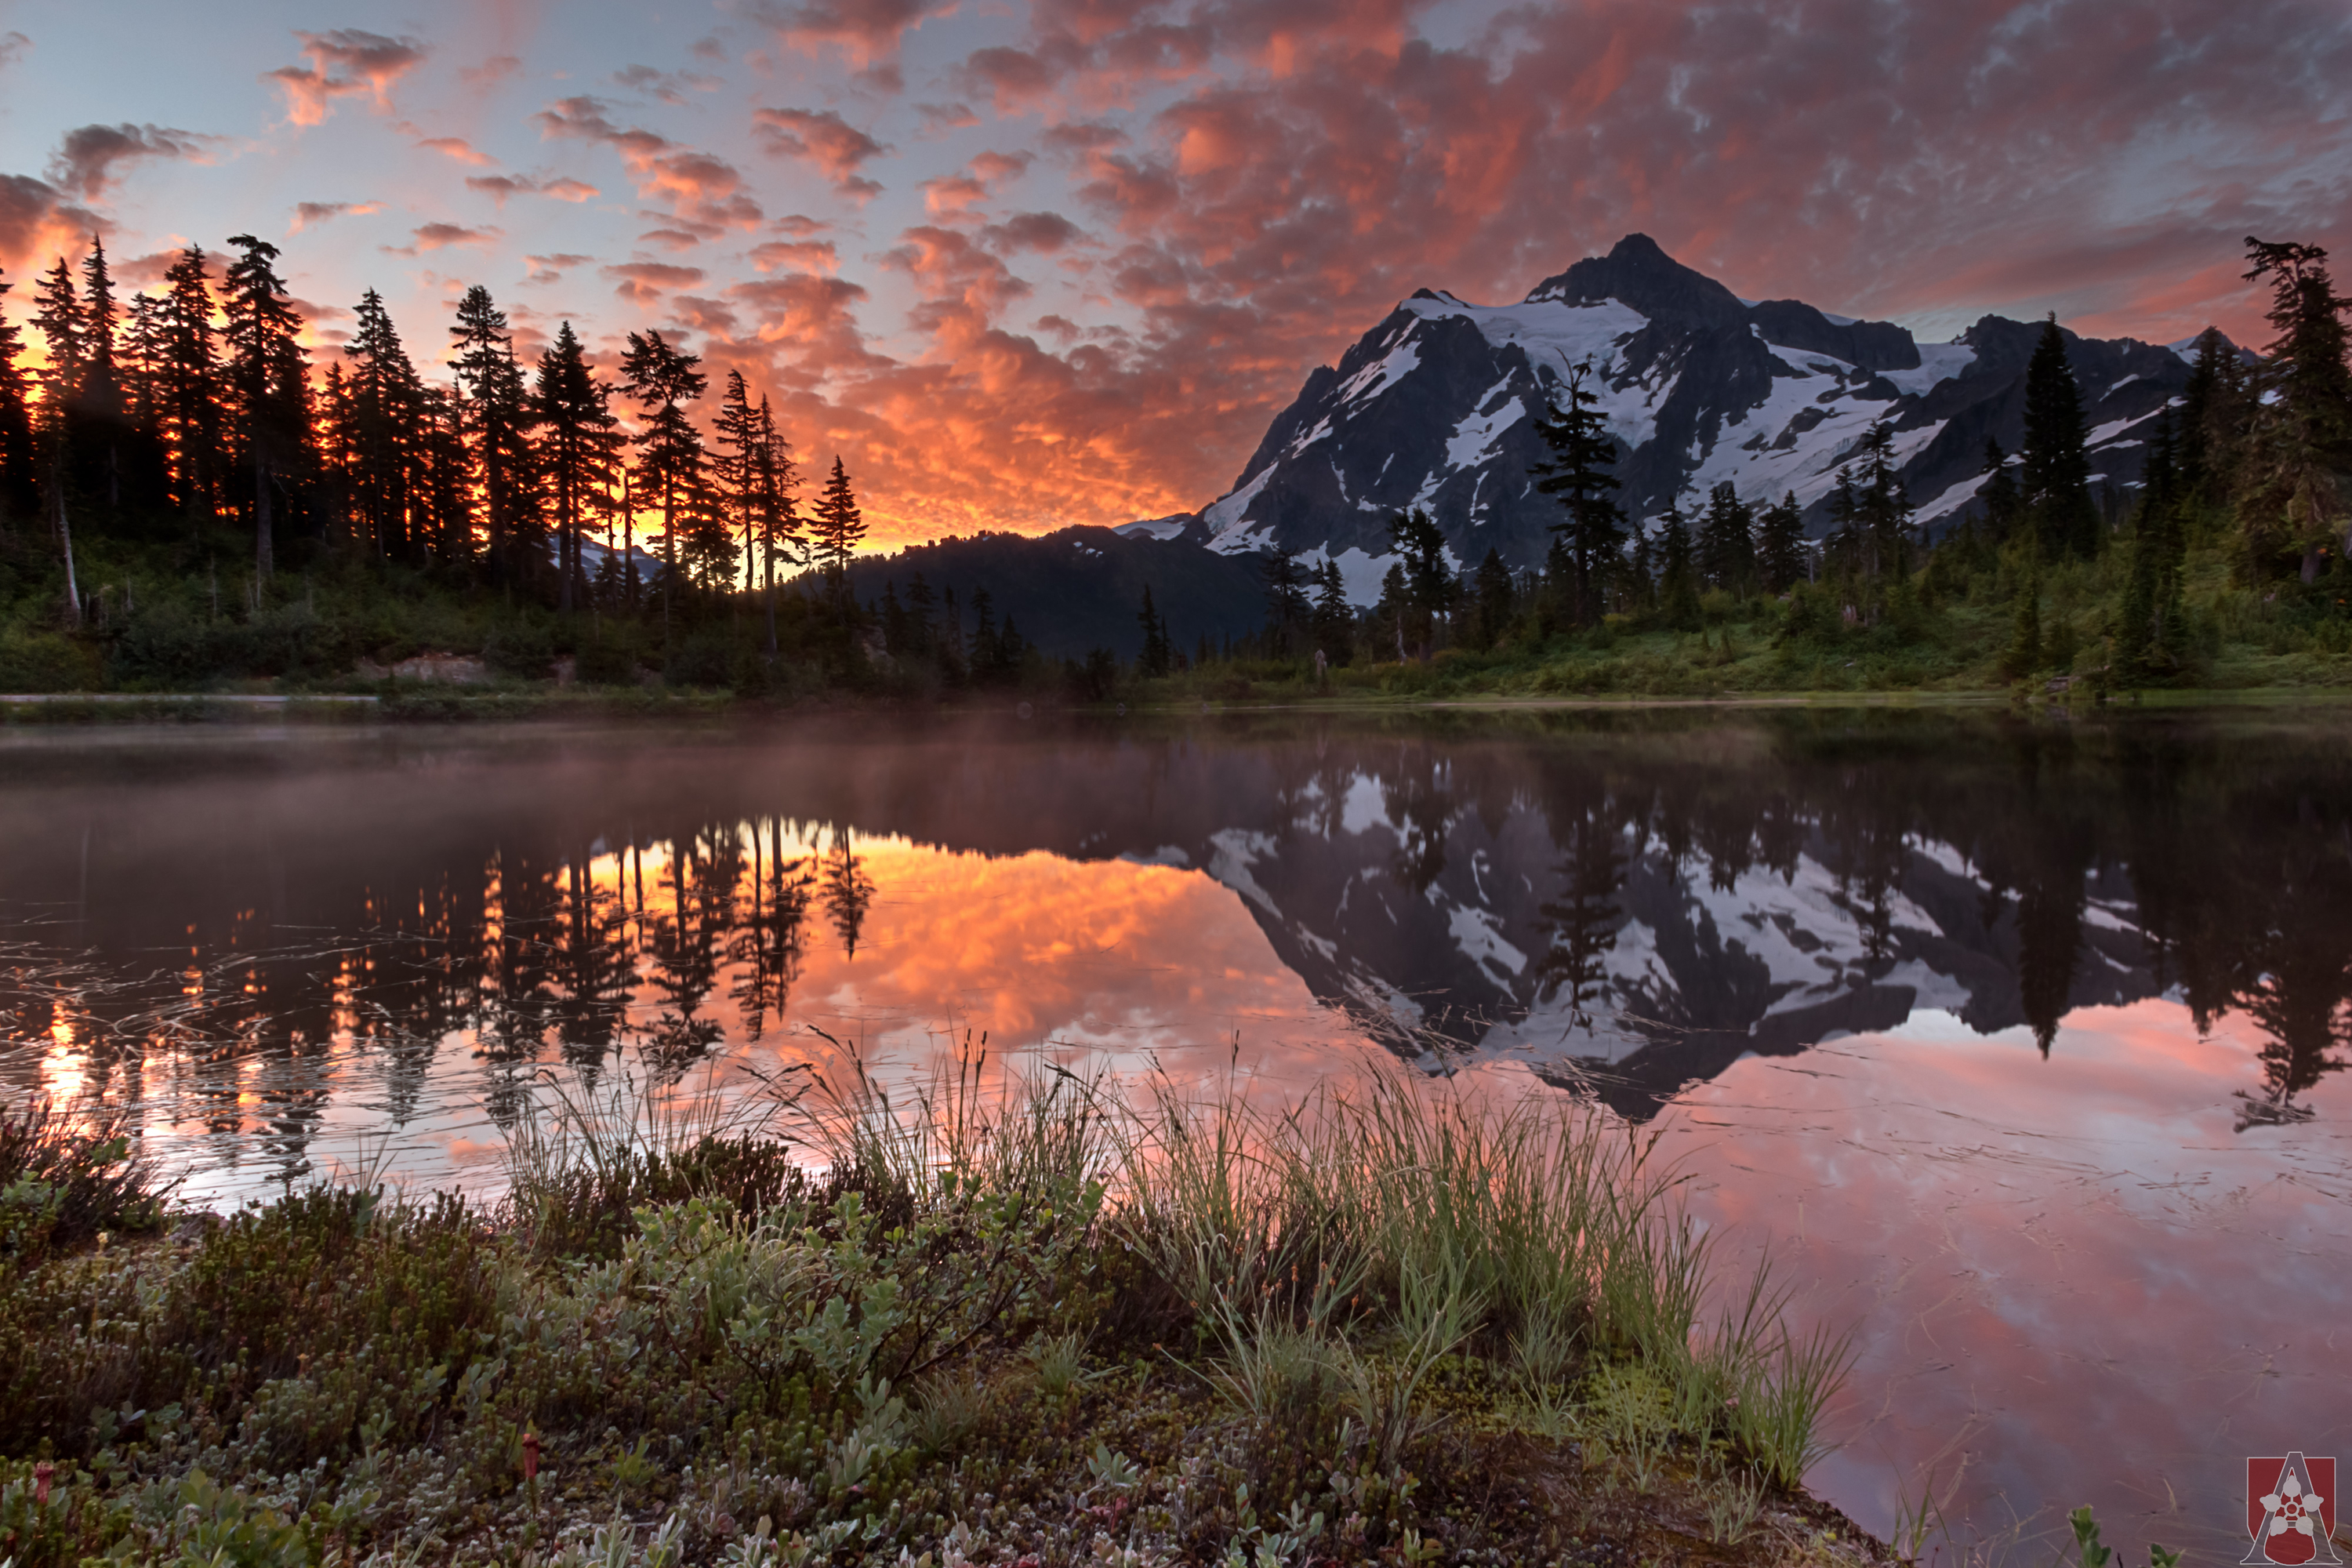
(2291, 1510)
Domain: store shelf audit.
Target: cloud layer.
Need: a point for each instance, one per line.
(1060, 262)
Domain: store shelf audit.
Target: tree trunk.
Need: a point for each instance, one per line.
(65, 536)
(263, 563)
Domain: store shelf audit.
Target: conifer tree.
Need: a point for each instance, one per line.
(495, 409)
(188, 391)
(2004, 502)
(102, 379)
(1780, 545)
(58, 314)
(1726, 549)
(1582, 451)
(735, 466)
(664, 379)
(1335, 618)
(2056, 471)
(2295, 502)
(571, 413)
(266, 378)
(389, 462)
(1286, 607)
(1429, 585)
(839, 528)
(1678, 576)
(1158, 656)
(1492, 594)
(784, 537)
(1884, 506)
(17, 465)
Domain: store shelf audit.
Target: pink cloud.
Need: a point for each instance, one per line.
(344, 62)
(310, 215)
(704, 191)
(457, 147)
(88, 158)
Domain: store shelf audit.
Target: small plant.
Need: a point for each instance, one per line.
(1060, 1361)
(2095, 1555)
(1735, 1501)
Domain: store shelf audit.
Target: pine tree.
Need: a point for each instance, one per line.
(1335, 618)
(2152, 590)
(1158, 656)
(1884, 504)
(735, 467)
(1726, 550)
(18, 467)
(2295, 502)
(2004, 502)
(572, 414)
(58, 314)
(1494, 596)
(2056, 471)
(188, 389)
(101, 381)
(1286, 607)
(266, 378)
(1780, 545)
(1582, 447)
(389, 434)
(783, 535)
(496, 410)
(1678, 579)
(663, 380)
(838, 528)
(1429, 585)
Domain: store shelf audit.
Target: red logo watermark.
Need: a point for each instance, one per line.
(2291, 1510)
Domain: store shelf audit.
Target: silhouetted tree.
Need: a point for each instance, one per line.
(1581, 450)
(268, 390)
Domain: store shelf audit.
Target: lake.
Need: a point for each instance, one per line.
(2017, 1041)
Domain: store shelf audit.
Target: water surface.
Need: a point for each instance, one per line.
(2018, 1042)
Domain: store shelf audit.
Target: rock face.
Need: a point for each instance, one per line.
(1436, 406)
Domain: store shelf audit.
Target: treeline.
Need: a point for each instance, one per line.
(186, 414)
(2247, 477)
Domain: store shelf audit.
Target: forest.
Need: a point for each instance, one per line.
(190, 501)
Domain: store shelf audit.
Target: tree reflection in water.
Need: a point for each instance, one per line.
(1634, 902)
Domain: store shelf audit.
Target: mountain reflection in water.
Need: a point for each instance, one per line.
(2016, 1039)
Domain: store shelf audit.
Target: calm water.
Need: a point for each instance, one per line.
(2019, 1043)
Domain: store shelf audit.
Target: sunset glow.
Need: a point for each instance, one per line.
(1029, 265)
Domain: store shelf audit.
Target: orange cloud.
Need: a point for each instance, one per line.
(309, 213)
(457, 147)
(344, 62)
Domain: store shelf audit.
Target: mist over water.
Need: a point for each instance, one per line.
(2019, 1043)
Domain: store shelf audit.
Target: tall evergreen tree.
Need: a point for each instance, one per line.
(1287, 606)
(1576, 474)
(1780, 545)
(1494, 600)
(1335, 618)
(58, 314)
(266, 379)
(664, 380)
(1158, 657)
(1886, 506)
(1726, 547)
(188, 389)
(389, 434)
(18, 467)
(838, 528)
(2056, 474)
(784, 537)
(1429, 585)
(735, 466)
(573, 419)
(2004, 502)
(2295, 502)
(495, 410)
(1679, 573)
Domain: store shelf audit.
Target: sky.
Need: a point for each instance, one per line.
(1022, 265)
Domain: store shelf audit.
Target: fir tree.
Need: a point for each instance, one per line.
(266, 378)
(1678, 578)
(735, 465)
(1335, 618)
(2056, 471)
(1159, 654)
(1726, 550)
(17, 465)
(1287, 606)
(1780, 545)
(496, 410)
(1492, 594)
(572, 412)
(2004, 502)
(663, 380)
(188, 389)
(1884, 504)
(1429, 585)
(56, 313)
(1581, 450)
(839, 527)
(2294, 504)
(389, 434)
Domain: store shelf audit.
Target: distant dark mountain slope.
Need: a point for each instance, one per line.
(1436, 406)
(1080, 588)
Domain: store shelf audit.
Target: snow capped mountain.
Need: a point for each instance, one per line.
(1437, 407)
